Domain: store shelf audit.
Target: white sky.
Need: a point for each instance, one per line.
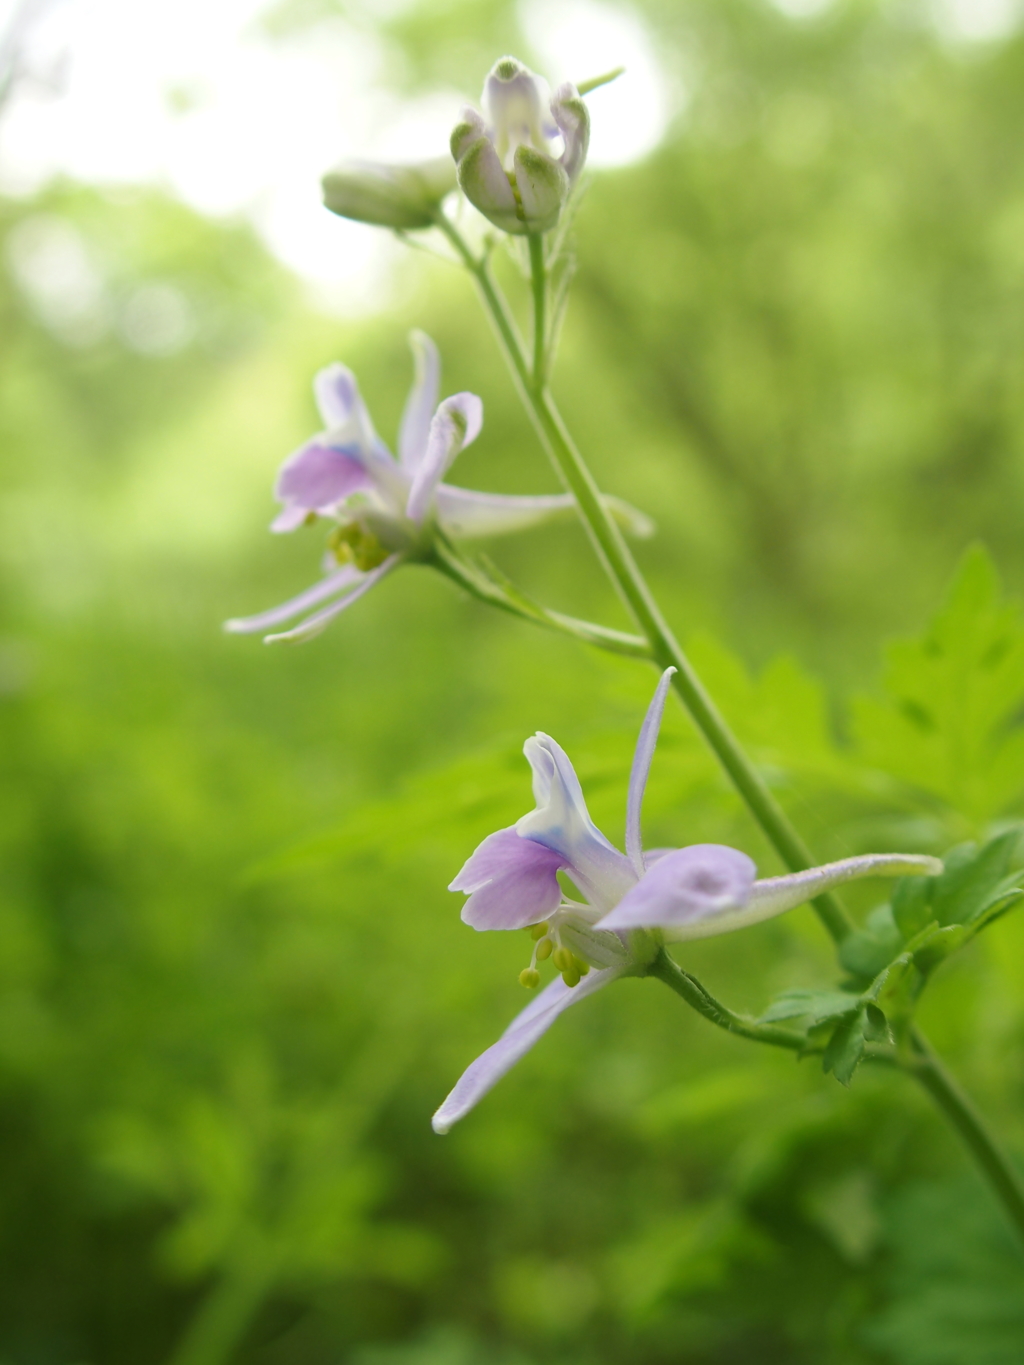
(189, 94)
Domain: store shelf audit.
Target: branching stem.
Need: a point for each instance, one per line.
(664, 650)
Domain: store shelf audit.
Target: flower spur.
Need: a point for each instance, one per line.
(631, 905)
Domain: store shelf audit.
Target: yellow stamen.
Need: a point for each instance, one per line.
(571, 977)
(538, 930)
(544, 949)
(563, 959)
(530, 978)
(581, 966)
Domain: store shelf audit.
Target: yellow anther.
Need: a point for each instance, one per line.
(544, 948)
(571, 976)
(581, 966)
(530, 978)
(352, 544)
(538, 930)
(563, 959)
(310, 519)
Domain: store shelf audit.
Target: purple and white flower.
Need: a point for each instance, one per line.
(505, 157)
(630, 905)
(385, 510)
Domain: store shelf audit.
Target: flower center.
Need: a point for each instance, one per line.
(549, 942)
(354, 544)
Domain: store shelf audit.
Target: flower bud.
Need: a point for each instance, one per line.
(389, 196)
(505, 164)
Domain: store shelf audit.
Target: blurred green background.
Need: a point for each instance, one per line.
(233, 986)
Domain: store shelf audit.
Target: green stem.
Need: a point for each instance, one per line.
(484, 584)
(959, 1109)
(667, 970)
(539, 282)
(618, 561)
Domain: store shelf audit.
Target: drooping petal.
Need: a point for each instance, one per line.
(422, 400)
(319, 592)
(699, 883)
(456, 423)
(775, 895)
(572, 116)
(465, 513)
(641, 767)
(562, 823)
(314, 624)
(511, 882)
(317, 477)
(534, 1021)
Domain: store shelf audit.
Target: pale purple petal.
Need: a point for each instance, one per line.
(334, 583)
(562, 823)
(534, 1021)
(775, 895)
(314, 624)
(463, 512)
(289, 519)
(641, 767)
(419, 408)
(697, 883)
(456, 423)
(511, 881)
(318, 476)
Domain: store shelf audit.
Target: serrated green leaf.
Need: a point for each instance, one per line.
(816, 1006)
(971, 877)
(950, 725)
(845, 1048)
(876, 1026)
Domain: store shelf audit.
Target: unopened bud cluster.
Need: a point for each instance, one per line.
(506, 164)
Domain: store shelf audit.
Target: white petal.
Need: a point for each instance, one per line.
(641, 767)
(456, 423)
(419, 408)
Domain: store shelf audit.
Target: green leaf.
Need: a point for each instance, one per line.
(867, 951)
(845, 1048)
(950, 725)
(816, 1006)
(971, 877)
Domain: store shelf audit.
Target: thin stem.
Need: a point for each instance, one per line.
(994, 1164)
(618, 561)
(539, 282)
(484, 583)
(666, 969)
